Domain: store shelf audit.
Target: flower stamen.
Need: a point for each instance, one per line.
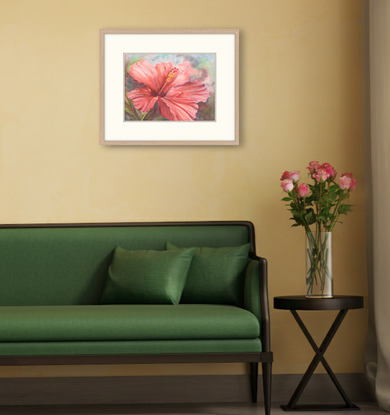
(171, 75)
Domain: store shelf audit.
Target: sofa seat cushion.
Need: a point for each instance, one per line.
(126, 322)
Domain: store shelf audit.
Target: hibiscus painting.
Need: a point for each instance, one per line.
(169, 87)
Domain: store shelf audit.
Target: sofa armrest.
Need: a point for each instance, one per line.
(251, 301)
(256, 296)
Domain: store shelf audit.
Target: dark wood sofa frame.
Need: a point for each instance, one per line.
(265, 357)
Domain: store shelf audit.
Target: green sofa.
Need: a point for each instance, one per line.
(51, 310)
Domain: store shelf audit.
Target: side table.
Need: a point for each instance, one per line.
(343, 303)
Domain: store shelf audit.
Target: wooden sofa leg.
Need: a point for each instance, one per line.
(267, 380)
(254, 377)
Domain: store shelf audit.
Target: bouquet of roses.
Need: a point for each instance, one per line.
(323, 201)
(320, 203)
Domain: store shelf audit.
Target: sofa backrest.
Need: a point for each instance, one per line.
(68, 264)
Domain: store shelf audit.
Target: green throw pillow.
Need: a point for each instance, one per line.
(215, 275)
(146, 277)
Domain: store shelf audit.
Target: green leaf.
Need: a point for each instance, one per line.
(129, 111)
(344, 209)
(286, 199)
(310, 217)
(132, 61)
(160, 118)
(298, 221)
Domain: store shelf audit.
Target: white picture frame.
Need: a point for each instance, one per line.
(215, 120)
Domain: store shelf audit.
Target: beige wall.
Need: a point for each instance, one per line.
(300, 100)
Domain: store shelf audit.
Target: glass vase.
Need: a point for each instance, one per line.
(319, 281)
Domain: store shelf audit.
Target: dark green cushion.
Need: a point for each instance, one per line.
(126, 322)
(215, 275)
(146, 276)
(130, 347)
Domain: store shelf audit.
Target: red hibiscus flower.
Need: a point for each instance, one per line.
(177, 97)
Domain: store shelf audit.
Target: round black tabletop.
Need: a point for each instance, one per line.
(300, 302)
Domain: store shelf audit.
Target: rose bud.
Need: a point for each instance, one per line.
(302, 189)
(287, 185)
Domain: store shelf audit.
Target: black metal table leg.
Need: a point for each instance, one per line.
(319, 357)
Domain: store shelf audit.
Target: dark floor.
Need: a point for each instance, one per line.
(171, 409)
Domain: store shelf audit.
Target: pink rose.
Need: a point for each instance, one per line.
(329, 169)
(302, 189)
(347, 181)
(285, 175)
(353, 184)
(321, 175)
(292, 175)
(287, 185)
(313, 165)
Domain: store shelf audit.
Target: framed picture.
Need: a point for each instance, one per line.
(169, 87)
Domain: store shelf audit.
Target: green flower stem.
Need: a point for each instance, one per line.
(336, 216)
(313, 258)
(293, 196)
(336, 212)
(144, 116)
(319, 211)
(304, 208)
(318, 256)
